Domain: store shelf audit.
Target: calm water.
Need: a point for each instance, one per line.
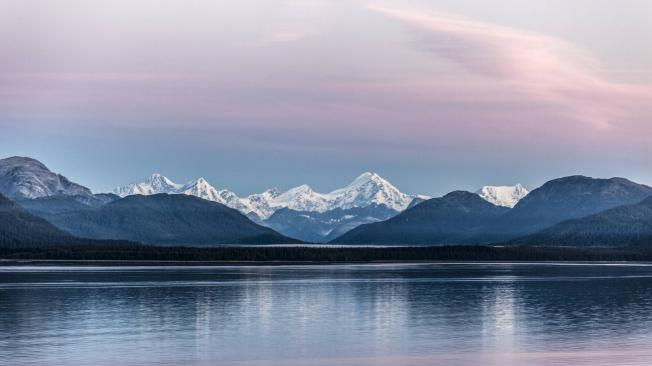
(435, 314)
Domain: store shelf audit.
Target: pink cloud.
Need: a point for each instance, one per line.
(298, 20)
(530, 66)
(470, 84)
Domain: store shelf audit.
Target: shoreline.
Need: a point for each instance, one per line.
(185, 263)
(121, 255)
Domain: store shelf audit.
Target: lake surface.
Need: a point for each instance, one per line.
(426, 314)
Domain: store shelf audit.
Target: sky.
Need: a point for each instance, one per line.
(432, 95)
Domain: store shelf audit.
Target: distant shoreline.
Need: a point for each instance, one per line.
(46, 263)
(121, 254)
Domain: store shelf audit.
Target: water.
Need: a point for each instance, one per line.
(434, 314)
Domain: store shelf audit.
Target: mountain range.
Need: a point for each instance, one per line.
(299, 212)
(366, 190)
(166, 219)
(444, 220)
(574, 210)
(567, 198)
(75, 212)
(20, 228)
(305, 214)
(460, 217)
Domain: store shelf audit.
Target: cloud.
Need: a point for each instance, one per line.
(297, 20)
(323, 74)
(533, 66)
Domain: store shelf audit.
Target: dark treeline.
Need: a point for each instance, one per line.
(123, 252)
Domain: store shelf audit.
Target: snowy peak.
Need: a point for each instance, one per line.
(271, 193)
(155, 184)
(199, 187)
(202, 189)
(160, 183)
(301, 198)
(259, 203)
(366, 178)
(367, 189)
(506, 196)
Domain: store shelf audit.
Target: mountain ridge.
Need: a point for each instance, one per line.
(365, 190)
(557, 200)
(166, 219)
(567, 198)
(443, 220)
(625, 225)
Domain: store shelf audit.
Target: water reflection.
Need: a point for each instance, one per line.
(325, 315)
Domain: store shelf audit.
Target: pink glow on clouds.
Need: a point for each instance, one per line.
(458, 79)
(530, 67)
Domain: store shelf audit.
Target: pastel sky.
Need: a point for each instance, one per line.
(433, 95)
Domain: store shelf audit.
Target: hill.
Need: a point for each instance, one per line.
(167, 219)
(627, 225)
(565, 199)
(20, 228)
(448, 219)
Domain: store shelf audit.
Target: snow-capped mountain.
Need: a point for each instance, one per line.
(301, 198)
(155, 184)
(367, 189)
(506, 196)
(202, 189)
(261, 202)
(27, 178)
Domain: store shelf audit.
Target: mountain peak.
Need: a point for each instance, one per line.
(199, 187)
(459, 194)
(302, 188)
(155, 177)
(367, 177)
(23, 177)
(23, 160)
(201, 180)
(155, 184)
(369, 188)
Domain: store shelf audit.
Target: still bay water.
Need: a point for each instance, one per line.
(412, 314)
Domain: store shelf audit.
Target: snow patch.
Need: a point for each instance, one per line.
(506, 196)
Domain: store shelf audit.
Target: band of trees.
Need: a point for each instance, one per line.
(133, 252)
